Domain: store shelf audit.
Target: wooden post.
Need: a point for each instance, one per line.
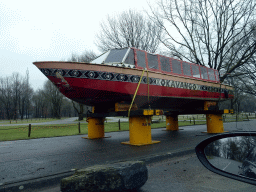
(194, 120)
(79, 127)
(119, 125)
(190, 120)
(29, 130)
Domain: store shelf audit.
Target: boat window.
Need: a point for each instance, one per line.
(116, 55)
(211, 74)
(217, 75)
(195, 71)
(152, 61)
(186, 69)
(204, 72)
(141, 59)
(130, 57)
(165, 64)
(176, 66)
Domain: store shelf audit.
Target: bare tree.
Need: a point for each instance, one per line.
(17, 90)
(40, 104)
(87, 56)
(15, 96)
(54, 96)
(129, 29)
(6, 96)
(208, 32)
(80, 111)
(67, 106)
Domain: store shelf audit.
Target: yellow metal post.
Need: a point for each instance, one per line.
(140, 131)
(214, 123)
(95, 128)
(172, 123)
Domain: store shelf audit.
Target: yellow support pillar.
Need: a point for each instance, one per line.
(95, 128)
(140, 131)
(172, 123)
(214, 123)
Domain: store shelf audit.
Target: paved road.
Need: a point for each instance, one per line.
(30, 159)
(182, 174)
(228, 165)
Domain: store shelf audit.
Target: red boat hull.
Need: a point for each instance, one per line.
(103, 85)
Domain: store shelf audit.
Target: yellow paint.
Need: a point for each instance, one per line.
(95, 127)
(159, 112)
(172, 123)
(226, 111)
(124, 107)
(140, 131)
(93, 108)
(214, 123)
(207, 104)
(148, 112)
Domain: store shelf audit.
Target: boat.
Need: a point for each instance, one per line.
(119, 75)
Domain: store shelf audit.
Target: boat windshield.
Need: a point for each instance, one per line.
(116, 56)
(125, 55)
(101, 58)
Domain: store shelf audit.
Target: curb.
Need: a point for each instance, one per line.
(35, 184)
(51, 180)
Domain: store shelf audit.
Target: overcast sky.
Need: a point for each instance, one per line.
(51, 30)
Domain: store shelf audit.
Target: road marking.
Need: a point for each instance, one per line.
(226, 166)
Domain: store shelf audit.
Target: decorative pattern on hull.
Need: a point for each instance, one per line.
(110, 76)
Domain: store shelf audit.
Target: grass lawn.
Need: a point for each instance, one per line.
(42, 131)
(20, 132)
(24, 121)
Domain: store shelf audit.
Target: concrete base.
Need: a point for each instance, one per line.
(86, 137)
(214, 133)
(140, 144)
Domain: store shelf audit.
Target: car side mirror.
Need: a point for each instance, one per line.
(231, 155)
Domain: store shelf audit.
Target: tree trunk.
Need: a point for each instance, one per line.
(80, 112)
(80, 117)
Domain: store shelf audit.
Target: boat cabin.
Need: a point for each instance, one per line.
(135, 58)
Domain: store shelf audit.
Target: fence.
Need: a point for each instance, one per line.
(35, 131)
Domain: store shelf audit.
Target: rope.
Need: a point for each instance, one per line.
(135, 93)
(148, 90)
